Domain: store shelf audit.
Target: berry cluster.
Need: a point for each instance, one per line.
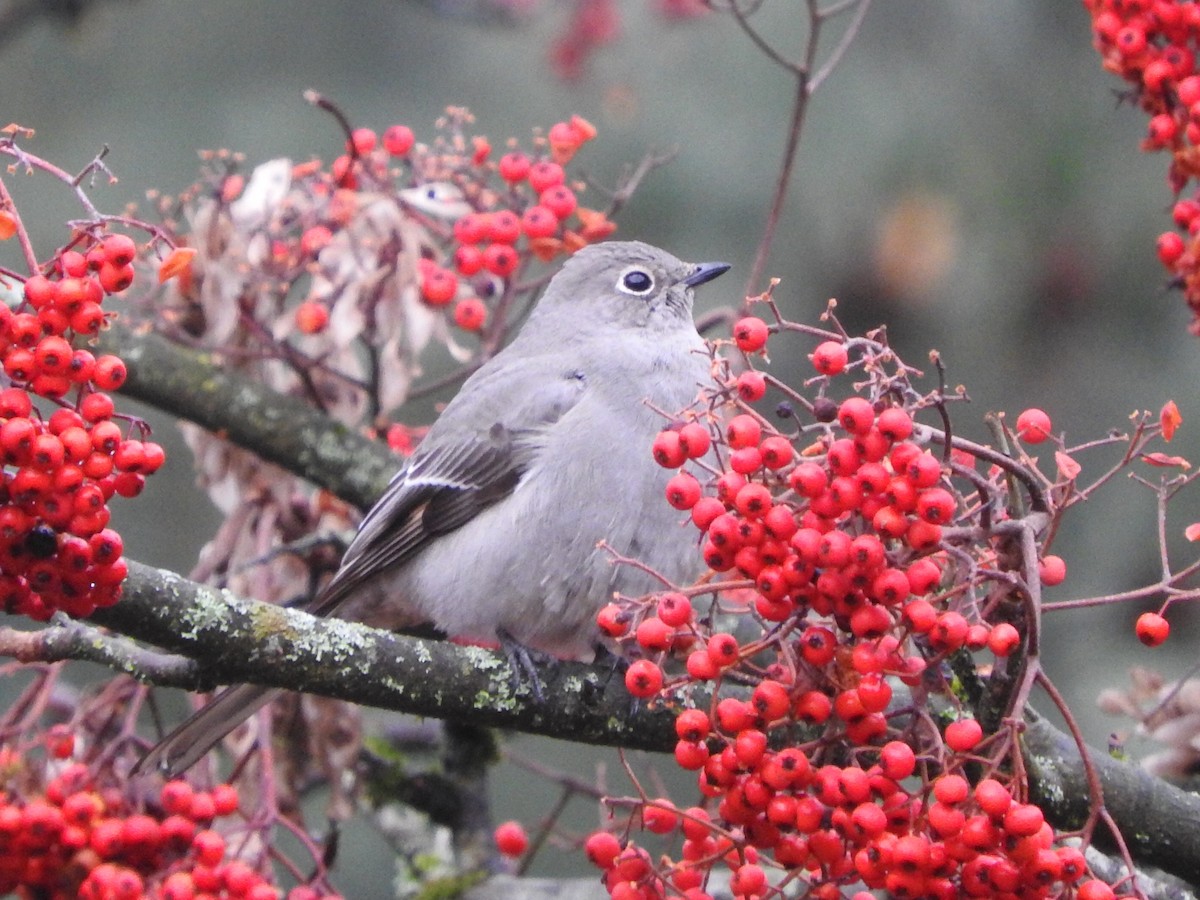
(1152, 45)
(61, 468)
(501, 212)
(82, 839)
(841, 592)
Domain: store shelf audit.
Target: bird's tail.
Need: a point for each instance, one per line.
(180, 749)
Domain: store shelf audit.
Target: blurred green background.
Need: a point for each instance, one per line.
(966, 175)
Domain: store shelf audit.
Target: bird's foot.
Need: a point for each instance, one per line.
(524, 662)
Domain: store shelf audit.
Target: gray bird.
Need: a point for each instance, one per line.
(490, 531)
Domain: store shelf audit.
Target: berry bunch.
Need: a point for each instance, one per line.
(500, 211)
(61, 468)
(1152, 45)
(842, 592)
(80, 838)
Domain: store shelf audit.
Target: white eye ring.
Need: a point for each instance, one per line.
(635, 280)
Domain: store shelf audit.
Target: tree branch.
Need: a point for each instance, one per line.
(234, 640)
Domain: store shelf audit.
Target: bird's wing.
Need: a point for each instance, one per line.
(473, 456)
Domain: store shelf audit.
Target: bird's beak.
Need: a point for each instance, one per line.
(705, 272)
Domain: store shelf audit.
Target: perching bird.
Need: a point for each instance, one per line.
(491, 530)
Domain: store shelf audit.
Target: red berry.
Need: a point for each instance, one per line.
(398, 140)
(963, 735)
(612, 620)
(110, 373)
(559, 199)
(776, 452)
(539, 221)
(40, 291)
(438, 286)
(602, 849)
(668, 450)
(856, 415)
(683, 490)
(695, 440)
(743, 431)
(501, 259)
(1152, 629)
(654, 634)
(643, 678)
(514, 167)
(750, 334)
(660, 817)
(470, 314)
(1170, 247)
(1033, 426)
(115, 279)
(895, 424)
(751, 386)
(312, 317)
(545, 175)
(504, 226)
(119, 249)
(830, 358)
(1003, 639)
(471, 228)
(511, 839)
(1052, 570)
(936, 505)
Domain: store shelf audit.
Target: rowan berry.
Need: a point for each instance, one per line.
(510, 838)
(504, 226)
(660, 816)
(82, 367)
(1152, 629)
(923, 575)
(559, 199)
(777, 452)
(746, 460)
(843, 457)
(705, 512)
(470, 314)
(830, 358)
(700, 666)
(468, 259)
(1033, 426)
(1095, 890)
(110, 373)
(602, 849)
(40, 291)
(1052, 570)
(113, 278)
(612, 620)
(501, 259)
(438, 286)
(1003, 639)
(963, 735)
(936, 505)
(895, 424)
(398, 140)
(539, 221)
(545, 175)
(654, 634)
(743, 431)
(898, 760)
(643, 678)
(668, 450)
(514, 167)
(750, 334)
(751, 386)
(723, 649)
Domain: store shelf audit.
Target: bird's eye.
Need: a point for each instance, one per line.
(635, 280)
